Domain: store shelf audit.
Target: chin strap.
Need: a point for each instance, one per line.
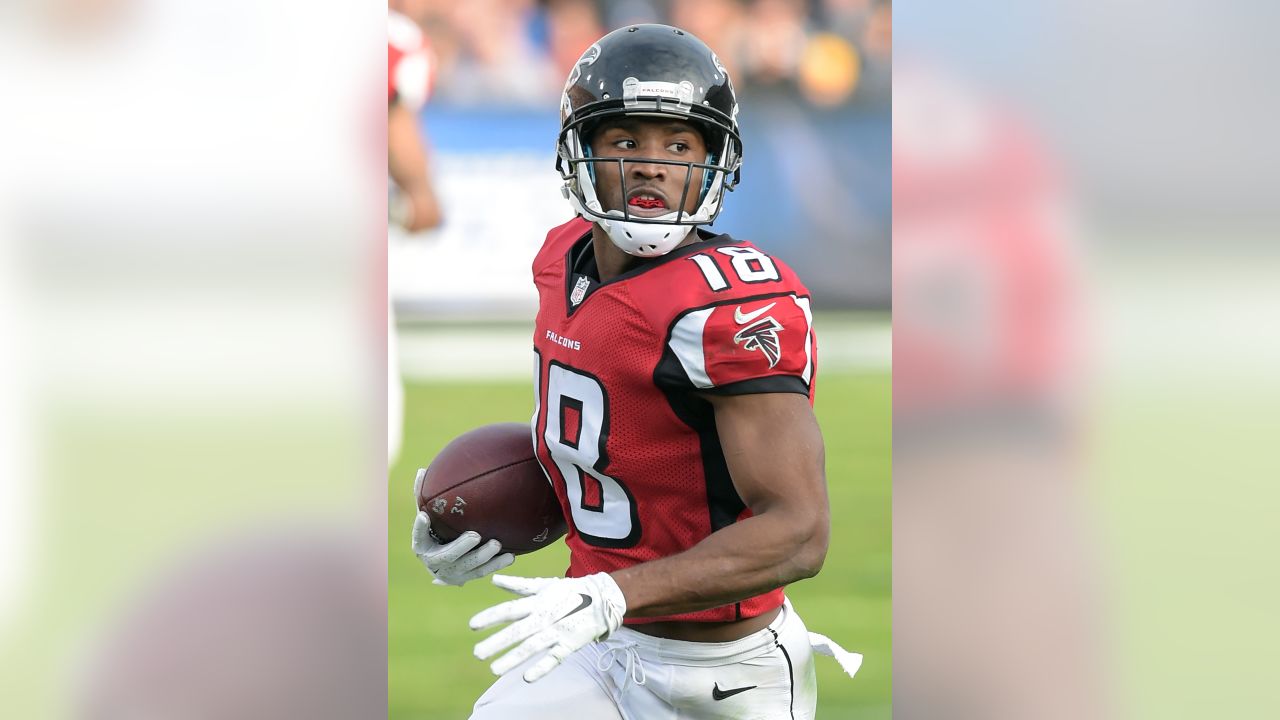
(637, 238)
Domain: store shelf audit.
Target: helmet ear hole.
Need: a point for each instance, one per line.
(587, 133)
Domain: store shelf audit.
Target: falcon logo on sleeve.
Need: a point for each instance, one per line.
(738, 346)
(760, 335)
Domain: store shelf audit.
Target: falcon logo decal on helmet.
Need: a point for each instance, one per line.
(652, 71)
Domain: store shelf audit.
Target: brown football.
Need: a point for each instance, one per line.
(489, 481)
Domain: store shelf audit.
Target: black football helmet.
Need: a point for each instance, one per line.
(649, 71)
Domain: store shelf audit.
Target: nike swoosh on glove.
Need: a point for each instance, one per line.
(456, 562)
(559, 615)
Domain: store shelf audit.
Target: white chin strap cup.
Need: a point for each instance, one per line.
(645, 239)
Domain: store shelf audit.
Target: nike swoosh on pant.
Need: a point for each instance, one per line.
(718, 694)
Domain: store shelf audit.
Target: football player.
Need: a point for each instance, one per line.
(408, 86)
(673, 415)
(413, 204)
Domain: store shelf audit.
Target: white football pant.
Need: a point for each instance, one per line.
(631, 676)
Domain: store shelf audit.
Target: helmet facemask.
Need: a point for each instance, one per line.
(638, 235)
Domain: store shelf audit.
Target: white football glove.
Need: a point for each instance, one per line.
(560, 615)
(456, 562)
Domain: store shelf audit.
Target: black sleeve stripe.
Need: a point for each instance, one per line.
(767, 384)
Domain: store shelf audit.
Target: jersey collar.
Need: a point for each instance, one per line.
(582, 279)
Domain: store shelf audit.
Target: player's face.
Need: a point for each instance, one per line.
(648, 189)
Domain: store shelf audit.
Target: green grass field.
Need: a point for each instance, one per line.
(431, 672)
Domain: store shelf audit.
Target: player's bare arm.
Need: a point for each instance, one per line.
(774, 451)
(407, 165)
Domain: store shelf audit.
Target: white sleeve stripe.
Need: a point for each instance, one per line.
(403, 32)
(686, 343)
(803, 304)
(413, 76)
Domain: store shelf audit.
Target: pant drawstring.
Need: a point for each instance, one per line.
(633, 667)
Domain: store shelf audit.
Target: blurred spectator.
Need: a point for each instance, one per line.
(497, 61)
(634, 12)
(572, 26)
(515, 53)
(877, 36)
(435, 18)
(409, 83)
(829, 69)
(775, 41)
(846, 17)
(719, 23)
(877, 46)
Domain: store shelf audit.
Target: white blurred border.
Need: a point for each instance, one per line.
(192, 292)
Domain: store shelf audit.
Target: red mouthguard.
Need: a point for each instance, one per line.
(647, 203)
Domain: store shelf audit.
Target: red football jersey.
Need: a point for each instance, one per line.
(409, 68)
(619, 425)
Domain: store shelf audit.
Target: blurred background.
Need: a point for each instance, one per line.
(192, 473)
(813, 83)
(1084, 297)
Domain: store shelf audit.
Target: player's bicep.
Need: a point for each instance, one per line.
(774, 452)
